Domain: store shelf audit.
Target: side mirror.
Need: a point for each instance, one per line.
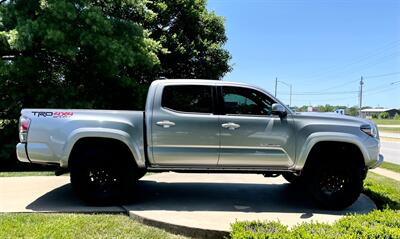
(278, 109)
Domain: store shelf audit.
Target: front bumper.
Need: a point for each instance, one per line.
(378, 162)
(21, 153)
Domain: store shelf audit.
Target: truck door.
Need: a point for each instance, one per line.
(250, 135)
(185, 130)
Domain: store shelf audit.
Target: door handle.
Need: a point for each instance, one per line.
(165, 123)
(230, 125)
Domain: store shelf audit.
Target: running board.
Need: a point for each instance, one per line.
(189, 169)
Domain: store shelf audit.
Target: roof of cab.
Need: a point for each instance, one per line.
(200, 81)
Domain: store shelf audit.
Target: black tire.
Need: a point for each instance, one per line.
(293, 178)
(102, 176)
(334, 186)
(139, 173)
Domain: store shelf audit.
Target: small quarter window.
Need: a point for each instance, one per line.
(188, 98)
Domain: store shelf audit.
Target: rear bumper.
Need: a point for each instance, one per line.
(21, 153)
(378, 162)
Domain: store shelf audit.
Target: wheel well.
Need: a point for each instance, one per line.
(122, 150)
(336, 151)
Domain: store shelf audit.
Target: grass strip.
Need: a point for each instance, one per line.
(391, 166)
(26, 173)
(41, 225)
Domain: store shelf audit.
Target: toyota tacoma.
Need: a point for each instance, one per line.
(203, 126)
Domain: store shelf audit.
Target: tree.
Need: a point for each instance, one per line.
(100, 54)
(353, 111)
(193, 36)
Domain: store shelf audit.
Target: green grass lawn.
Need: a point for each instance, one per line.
(26, 173)
(41, 225)
(386, 121)
(391, 166)
(389, 129)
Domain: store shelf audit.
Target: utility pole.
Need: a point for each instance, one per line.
(360, 95)
(276, 85)
(290, 101)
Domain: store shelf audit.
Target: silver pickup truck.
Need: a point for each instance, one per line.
(203, 126)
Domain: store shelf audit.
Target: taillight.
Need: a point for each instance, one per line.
(24, 123)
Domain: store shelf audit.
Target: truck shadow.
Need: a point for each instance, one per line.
(63, 199)
(229, 197)
(243, 197)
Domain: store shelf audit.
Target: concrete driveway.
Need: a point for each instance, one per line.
(200, 201)
(43, 194)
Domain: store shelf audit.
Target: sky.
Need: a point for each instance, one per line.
(322, 48)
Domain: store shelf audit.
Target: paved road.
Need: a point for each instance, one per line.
(390, 135)
(391, 151)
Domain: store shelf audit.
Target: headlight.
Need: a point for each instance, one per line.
(371, 130)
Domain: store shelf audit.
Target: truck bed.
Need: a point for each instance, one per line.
(53, 132)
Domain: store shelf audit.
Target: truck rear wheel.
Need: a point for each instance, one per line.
(102, 176)
(334, 186)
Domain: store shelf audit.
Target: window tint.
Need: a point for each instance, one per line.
(243, 101)
(188, 98)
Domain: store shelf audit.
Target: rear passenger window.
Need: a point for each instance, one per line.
(188, 98)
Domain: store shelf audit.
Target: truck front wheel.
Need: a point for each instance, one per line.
(293, 178)
(100, 177)
(334, 186)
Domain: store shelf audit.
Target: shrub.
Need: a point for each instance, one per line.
(383, 191)
(396, 116)
(376, 224)
(384, 115)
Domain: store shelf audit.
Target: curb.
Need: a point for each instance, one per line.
(178, 229)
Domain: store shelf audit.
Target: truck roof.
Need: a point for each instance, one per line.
(201, 81)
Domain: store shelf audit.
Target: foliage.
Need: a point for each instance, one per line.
(396, 116)
(100, 54)
(383, 115)
(37, 225)
(385, 192)
(376, 224)
(353, 111)
(193, 36)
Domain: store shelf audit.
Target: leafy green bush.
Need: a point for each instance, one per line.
(377, 224)
(384, 115)
(385, 192)
(396, 116)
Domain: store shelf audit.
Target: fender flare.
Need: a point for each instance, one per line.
(318, 137)
(119, 135)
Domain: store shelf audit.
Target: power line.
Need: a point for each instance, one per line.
(382, 75)
(327, 90)
(357, 60)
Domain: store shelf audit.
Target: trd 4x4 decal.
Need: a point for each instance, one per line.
(56, 114)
